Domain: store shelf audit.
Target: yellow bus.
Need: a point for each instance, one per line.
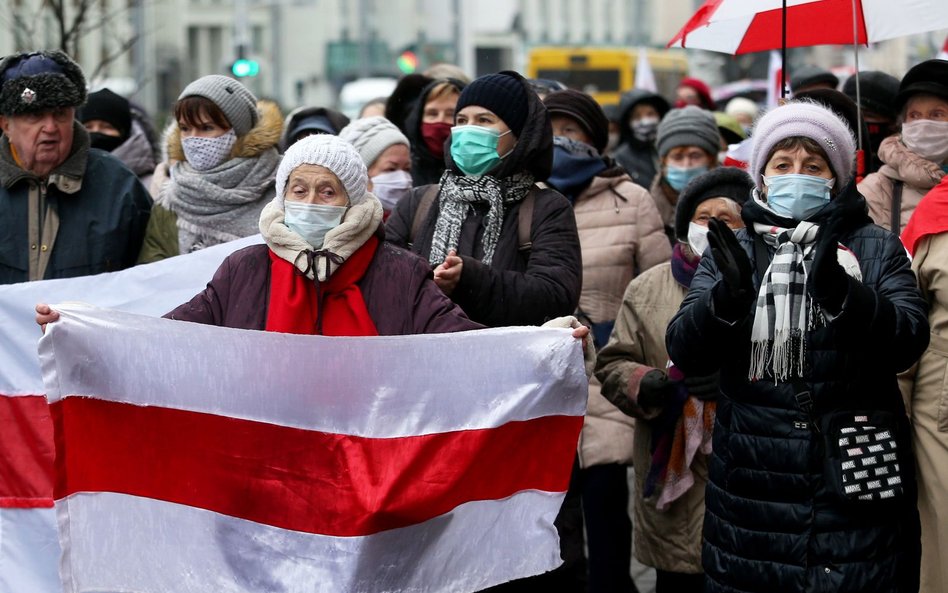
(605, 73)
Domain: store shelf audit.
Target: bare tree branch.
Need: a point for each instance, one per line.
(114, 55)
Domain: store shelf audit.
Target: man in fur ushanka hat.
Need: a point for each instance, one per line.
(72, 211)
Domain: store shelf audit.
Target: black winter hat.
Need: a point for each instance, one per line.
(720, 182)
(584, 109)
(805, 76)
(501, 93)
(930, 76)
(877, 91)
(108, 107)
(38, 81)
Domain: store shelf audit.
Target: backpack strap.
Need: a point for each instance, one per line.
(525, 220)
(421, 212)
(895, 221)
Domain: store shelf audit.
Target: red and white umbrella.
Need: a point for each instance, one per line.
(744, 26)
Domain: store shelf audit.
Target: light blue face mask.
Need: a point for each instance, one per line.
(678, 177)
(474, 149)
(797, 196)
(312, 221)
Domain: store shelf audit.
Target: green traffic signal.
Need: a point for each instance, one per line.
(244, 67)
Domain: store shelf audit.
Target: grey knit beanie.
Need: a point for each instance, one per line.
(330, 152)
(809, 120)
(688, 126)
(233, 98)
(371, 136)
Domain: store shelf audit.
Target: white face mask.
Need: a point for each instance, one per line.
(697, 238)
(312, 221)
(206, 153)
(927, 138)
(391, 187)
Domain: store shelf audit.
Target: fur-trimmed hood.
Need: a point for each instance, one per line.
(262, 137)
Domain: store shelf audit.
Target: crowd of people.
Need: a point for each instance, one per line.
(769, 357)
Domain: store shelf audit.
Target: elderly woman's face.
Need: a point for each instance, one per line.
(797, 160)
(473, 115)
(724, 209)
(313, 184)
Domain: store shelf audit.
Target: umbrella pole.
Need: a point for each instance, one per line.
(860, 152)
(783, 52)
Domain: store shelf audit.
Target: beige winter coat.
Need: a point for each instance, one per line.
(669, 540)
(621, 235)
(929, 412)
(918, 175)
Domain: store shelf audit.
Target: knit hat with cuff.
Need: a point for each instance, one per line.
(503, 94)
(688, 126)
(235, 100)
(371, 136)
(331, 152)
(109, 107)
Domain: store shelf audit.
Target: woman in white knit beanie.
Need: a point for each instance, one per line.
(387, 155)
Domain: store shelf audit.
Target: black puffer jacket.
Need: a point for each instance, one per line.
(772, 523)
(426, 168)
(520, 287)
(638, 158)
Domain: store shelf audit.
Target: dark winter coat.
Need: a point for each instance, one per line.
(426, 168)
(520, 287)
(101, 213)
(639, 158)
(772, 524)
(397, 288)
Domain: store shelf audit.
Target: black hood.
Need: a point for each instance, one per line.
(629, 101)
(414, 119)
(534, 150)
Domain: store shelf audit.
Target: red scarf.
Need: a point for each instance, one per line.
(930, 216)
(335, 307)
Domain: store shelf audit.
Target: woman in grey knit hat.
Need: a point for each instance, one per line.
(688, 142)
(218, 172)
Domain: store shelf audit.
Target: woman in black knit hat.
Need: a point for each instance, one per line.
(503, 249)
(671, 410)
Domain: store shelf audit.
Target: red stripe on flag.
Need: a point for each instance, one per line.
(299, 479)
(828, 22)
(26, 452)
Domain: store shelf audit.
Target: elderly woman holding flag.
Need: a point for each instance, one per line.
(808, 314)
(324, 268)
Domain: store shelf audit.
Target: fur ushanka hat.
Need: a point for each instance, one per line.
(38, 81)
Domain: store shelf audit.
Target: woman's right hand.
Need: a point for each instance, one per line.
(45, 314)
(735, 293)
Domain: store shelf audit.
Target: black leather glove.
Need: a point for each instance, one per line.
(734, 295)
(828, 282)
(705, 388)
(655, 388)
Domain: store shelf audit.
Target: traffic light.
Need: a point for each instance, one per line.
(244, 66)
(407, 61)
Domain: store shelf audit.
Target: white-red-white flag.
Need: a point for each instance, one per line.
(774, 72)
(943, 54)
(195, 458)
(29, 541)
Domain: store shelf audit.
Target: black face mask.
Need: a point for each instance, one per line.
(104, 141)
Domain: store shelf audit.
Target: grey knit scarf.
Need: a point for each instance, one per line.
(221, 204)
(458, 194)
